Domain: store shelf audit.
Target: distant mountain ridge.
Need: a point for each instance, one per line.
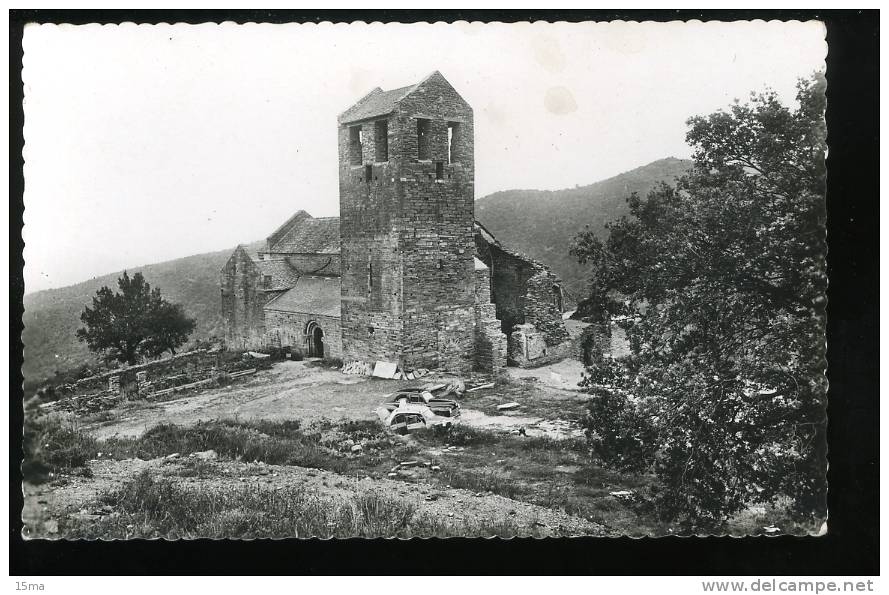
(537, 222)
(542, 223)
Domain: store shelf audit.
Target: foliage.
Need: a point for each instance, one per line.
(134, 322)
(722, 284)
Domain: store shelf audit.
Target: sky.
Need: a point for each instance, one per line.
(145, 143)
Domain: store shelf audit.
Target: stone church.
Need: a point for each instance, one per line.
(405, 274)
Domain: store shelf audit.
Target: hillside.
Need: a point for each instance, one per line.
(541, 223)
(52, 316)
(538, 223)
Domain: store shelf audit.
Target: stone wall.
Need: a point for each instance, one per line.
(509, 279)
(288, 329)
(407, 236)
(528, 348)
(242, 301)
(127, 379)
(489, 354)
(525, 292)
(543, 301)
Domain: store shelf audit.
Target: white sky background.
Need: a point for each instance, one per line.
(148, 143)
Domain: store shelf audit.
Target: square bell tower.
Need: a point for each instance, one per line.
(406, 178)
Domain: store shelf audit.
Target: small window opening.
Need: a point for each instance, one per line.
(423, 138)
(370, 330)
(557, 297)
(440, 263)
(267, 280)
(370, 277)
(368, 173)
(381, 140)
(355, 138)
(439, 170)
(453, 139)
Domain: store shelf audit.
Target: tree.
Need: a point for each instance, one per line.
(135, 322)
(722, 280)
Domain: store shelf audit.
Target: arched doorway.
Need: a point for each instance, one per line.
(314, 340)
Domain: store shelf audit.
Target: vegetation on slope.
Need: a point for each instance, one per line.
(542, 223)
(536, 222)
(52, 316)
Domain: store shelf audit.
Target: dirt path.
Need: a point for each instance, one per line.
(289, 390)
(306, 391)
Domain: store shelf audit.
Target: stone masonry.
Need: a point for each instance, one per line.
(407, 224)
(421, 283)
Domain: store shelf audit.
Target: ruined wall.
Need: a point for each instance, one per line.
(543, 306)
(288, 329)
(407, 235)
(242, 301)
(509, 279)
(528, 348)
(489, 354)
(524, 291)
(125, 377)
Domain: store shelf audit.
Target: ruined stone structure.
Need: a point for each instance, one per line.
(405, 274)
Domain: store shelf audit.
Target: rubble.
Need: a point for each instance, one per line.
(205, 455)
(385, 369)
(357, 367)
(508, 406)
(481, 387)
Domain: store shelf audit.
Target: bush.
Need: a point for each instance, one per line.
(619, 431)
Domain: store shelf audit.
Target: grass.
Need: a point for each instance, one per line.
(52, 446)
(553, 473)
(146, 507)
(483, 480)
(275, 443)
(456, 435)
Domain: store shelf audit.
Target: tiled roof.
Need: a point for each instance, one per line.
(310, 236)
(282, 274)
(375, 103)
(310, 295)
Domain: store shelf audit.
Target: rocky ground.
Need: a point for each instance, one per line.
(309, 391)
(78, 498)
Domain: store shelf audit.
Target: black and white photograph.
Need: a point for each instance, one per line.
(409, 280)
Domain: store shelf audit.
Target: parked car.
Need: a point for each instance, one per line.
(410, 418)
(431, 396)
